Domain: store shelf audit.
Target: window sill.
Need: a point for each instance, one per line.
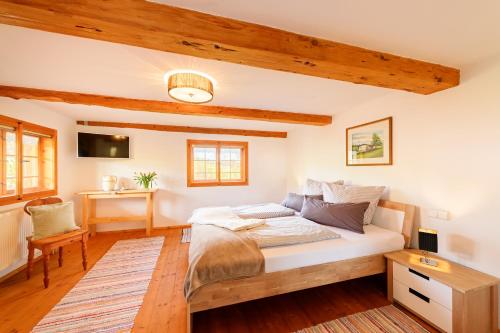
(26, 197)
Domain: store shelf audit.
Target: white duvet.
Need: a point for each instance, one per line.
(267, 233)
(288, 231)
(223, 217)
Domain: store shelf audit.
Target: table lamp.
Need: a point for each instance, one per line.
(428, 242)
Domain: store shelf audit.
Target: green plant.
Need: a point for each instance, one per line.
(145, 179)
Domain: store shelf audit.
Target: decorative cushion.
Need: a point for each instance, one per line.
(50, 220)
(313, 187)
(356, 194)
(295, 201)
(348, 216)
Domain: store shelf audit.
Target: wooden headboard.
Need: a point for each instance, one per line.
(408, 217)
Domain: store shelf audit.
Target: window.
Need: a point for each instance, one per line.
(28, 161)
(217, 163)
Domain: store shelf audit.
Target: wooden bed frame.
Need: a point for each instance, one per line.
(269, 284)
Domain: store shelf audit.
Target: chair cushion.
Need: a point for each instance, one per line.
(50, 220)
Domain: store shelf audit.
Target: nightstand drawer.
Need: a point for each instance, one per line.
(436, 291)
(420, 303)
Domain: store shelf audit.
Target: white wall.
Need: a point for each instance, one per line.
(446, 156)
(35, 113)
(165, 153)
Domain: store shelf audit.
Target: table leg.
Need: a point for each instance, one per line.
(85, 212)
(92, 227)
(149, 213)
(46, 260)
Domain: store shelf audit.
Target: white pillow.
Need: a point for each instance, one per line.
(355, 194)
(313, 187)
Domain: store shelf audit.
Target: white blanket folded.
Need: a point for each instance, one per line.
(223, 217)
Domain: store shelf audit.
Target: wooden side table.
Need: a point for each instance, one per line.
(89, 216)
(451, 297)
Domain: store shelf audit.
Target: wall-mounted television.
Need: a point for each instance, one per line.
(103, 146)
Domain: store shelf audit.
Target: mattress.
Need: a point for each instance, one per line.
(375, 240)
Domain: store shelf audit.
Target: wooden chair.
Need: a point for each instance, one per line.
(48, 244)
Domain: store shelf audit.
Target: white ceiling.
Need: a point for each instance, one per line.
(454, 33)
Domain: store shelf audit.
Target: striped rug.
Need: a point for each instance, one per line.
(387, 319)
(109, 296)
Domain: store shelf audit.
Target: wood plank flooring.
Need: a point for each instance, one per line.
(24, 302)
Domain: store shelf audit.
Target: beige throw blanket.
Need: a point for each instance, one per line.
(217, 254)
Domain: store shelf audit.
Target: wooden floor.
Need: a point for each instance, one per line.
(23, 303)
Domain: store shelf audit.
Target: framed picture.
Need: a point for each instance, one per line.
(370, 143)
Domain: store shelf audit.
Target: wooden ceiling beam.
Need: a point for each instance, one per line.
(166, 28)
(186, 129)
(164, 107)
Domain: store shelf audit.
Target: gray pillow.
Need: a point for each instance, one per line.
(343, 215)
(295, 201)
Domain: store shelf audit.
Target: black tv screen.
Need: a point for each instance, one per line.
(101, 145)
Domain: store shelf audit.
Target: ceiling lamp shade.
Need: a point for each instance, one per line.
(190, 88)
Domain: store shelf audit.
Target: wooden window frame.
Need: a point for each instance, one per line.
(25, 128)
(218, 145)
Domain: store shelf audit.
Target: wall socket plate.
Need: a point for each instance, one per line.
(438, 214)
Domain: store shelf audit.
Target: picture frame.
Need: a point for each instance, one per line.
(369, 144)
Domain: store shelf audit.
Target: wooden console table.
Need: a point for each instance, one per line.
(90, 220)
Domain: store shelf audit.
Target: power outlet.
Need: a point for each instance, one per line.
(438, 214)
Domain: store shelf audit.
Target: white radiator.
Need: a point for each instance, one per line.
(14, 227)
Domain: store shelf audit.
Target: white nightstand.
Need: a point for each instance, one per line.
(451, 297)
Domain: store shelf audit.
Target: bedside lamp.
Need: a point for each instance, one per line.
(428, 242)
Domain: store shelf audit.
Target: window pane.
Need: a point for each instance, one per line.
(30, 166)
(11, 143)
(199, 154)
(199, 167)
(30, 184)
(225, 154)
(210, 154)
(235, 154)
(230, 164)
(204, 164)
(30, 145)
(30, 163)
(235, 166)
(47, 164)
(225, 166)
(8, 166)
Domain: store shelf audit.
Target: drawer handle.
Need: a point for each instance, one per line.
(419, 274)
(419, 295)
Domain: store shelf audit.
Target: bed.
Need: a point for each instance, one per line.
(301, 266)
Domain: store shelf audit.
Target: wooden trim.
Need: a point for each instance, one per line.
(19, 162)
(186, 129)
(269, 284)
(21, 127)
(217, 144)
(369, 164)
(3, 157)
(163, 107)
(161, 27)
